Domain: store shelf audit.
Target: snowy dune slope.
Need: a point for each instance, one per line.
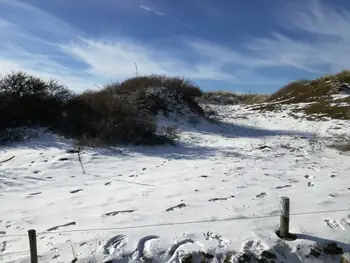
(160, 204)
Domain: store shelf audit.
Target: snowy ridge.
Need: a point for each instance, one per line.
(136, 204)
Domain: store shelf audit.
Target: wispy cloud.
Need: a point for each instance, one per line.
(31, 19)
(80, 61)
(117, 58)
(146, 8)
(158, 13)
(323, 45)
(98, 59)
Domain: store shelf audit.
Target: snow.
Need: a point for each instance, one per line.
(340, 96)
(218, 192)
(343, 104)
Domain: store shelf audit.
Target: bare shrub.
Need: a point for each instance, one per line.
(342, 143)
(343, 147)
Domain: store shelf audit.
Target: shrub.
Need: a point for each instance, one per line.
(136, 89)
(311, 90)
(182, 85)
(299, 91)
(343, 76)
(106, 117)
(254, 98)
(230, 98)
(343, 147)
(30, 101)
(325, 109)
(119, 113)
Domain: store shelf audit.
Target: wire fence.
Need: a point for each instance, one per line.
(176, 223)
(240, 218)
(19, 253)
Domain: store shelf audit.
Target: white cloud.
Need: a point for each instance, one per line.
(46, 68)
(28, 17)
(156, 12)
(148, 9)
(324, 46)
(100, 60)
(117, 58)
(319, 18)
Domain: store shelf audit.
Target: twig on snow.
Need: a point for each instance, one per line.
(81, 163)
(9, 159)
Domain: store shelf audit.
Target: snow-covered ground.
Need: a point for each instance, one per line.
(217, 192)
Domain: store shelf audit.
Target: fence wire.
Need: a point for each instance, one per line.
(240, 218)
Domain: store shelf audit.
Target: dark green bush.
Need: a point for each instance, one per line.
(182, 85)
(105, 116)
(119, 113)
(30, 101)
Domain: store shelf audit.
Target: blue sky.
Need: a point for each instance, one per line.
(237, 45)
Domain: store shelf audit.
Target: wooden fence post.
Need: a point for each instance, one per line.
(284, 219)
(32, 245)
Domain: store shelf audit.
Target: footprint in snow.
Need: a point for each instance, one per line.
(284, 186)
(59, 226)
(261, 195)
(114, 213)
(114, 244)
(138, 253)
(171, 252)
(293, 180)
(221, 198)
(346, 222)
(76, 191)
(3, 246)
(182, 205)
(36, 193)
(310, 184)
(334, 224)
